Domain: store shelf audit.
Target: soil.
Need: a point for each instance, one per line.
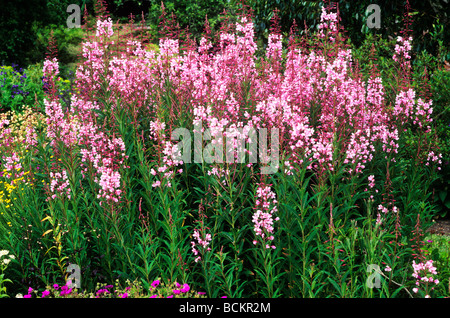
(441, 227)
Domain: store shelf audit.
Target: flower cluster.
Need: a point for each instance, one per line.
(402, 48)
(328, 22)
(59, 184)
(199, 241)
(5, 259)
(263, 216)
(104, 28)
(51, 67)
(423, 273)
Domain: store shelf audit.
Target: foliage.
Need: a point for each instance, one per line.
(189, 15)
(429, 19)
(68, 43)
(21, 87)
(18, 22)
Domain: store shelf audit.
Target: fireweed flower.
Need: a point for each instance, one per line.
(371, 179)
(104, 28)
(402, 48)
(328, 21)
(263, 216)
(51, 67)
(423, 273)
(202, 242)
(59, 184)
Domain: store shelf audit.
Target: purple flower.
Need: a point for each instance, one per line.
(185, 288)
(56, 286)
(102, 291)
(155, 283)
(201, 293)
(45, 293)
(153, 296)
(124, 295)
(65, 290)
(176, 291)
(27, 296)
(30, 290)
(171, 296)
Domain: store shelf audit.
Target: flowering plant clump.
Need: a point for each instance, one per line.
(133, 289)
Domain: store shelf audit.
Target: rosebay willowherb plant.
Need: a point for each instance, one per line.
(111, 192)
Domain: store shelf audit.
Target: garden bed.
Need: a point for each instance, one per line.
(220, 169)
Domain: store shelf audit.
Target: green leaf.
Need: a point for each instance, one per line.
(442, 195)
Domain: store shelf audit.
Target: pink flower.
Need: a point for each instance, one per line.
(262, 218)
(371, 179)
(104, 28)
(185, 288)
(51, 67)
(45, 293)
(156, 184)
(199, 241)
